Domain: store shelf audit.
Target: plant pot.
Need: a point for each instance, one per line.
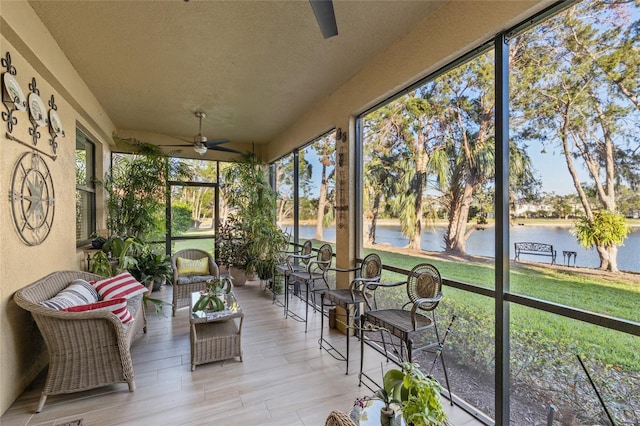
(386, 416)
(239, 276)
(157, 284)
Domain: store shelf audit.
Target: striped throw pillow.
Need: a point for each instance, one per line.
(118, 307)
(79, 292)
(122, 285)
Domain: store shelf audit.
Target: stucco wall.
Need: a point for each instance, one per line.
(35, 55)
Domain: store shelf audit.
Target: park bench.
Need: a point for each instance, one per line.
(538, 249)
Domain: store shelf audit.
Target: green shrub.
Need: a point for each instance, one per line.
(180, 218)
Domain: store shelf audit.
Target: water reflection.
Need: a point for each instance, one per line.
(481, 242)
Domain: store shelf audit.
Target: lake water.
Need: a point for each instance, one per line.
(482, 243)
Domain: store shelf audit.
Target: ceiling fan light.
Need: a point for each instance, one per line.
(200, 149)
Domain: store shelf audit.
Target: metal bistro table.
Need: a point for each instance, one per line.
(215, 336)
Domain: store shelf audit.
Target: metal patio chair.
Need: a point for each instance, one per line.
(315, 273)
(351, 299)
(409, 323)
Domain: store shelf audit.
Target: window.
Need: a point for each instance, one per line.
(85, 188)
(317, 189)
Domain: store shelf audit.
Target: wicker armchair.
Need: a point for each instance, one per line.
(86, 349)
(183, 286)
(338, 418)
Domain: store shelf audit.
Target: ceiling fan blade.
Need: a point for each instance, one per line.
(224, 149)
(326, 17)
(215, 142)
(180, 145)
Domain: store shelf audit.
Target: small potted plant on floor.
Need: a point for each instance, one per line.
(152, 269)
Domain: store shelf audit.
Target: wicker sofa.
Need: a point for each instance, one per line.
(86, 349)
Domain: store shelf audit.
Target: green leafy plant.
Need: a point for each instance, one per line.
(124, 250)
(418, 393)
(101, 264)
(152, 267)
(220, 285)
(209, 302)
(212, 299)
(249, 237)
(136, 188)
(106, 266)
(606, 229)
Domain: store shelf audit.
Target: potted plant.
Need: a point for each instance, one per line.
(249, 238)
(101, 264)
(97, 241)
(123, 252)
(152, 269)
(418, 394)
(387, 412)
(214, 297)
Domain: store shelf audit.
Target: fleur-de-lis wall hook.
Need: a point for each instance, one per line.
(37, 113)
(55, 125)
(12, 95)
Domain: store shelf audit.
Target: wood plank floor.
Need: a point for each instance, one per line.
(284, 379)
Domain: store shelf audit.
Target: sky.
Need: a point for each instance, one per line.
(551, 169)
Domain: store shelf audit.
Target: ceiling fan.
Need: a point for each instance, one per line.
(326, 17)
(200, 143)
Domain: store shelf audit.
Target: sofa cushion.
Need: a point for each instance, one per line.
(123, 285)
(189, 279)
(79, 292)
(193, 266)
(118, 307)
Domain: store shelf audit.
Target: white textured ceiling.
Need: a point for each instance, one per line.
(253, 66)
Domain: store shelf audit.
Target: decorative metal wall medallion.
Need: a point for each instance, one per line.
(12, 95)
(55, 124)
(37, 112)
(32, 198)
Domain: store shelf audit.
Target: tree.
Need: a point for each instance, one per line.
(180, 218)
(579, 71)
(135, 188)
(381, 170)
(468, 129)
(605, 229)
(325, 148)
(417, 127)
(284, 189)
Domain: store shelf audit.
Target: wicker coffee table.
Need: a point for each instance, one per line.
(215, 336)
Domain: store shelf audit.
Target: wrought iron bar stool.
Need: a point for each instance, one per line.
(316, 271)
(351, 299)
(294, 261)
(408, 324)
